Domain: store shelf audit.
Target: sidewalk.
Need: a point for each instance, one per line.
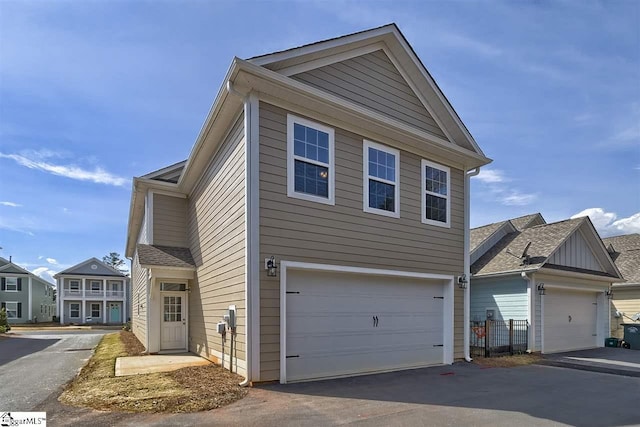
(59, 327)
(608, 360)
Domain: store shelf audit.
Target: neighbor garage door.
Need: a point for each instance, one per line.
(569, 320)
(340, 324)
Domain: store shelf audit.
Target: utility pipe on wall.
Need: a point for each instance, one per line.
(467, 260)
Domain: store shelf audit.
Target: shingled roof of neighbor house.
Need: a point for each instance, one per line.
(165, 256)
(626, 256)
(505, 256)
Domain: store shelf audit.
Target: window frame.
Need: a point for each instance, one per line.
(96, 291)
(447, 197)
(15, 285)
(71, 310)
(77, 283)
(366, 144)
(291, 158)
(99, 309)
(15, 310)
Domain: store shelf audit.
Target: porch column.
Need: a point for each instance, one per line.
(60, 300)
(84, 284)
(104, 300)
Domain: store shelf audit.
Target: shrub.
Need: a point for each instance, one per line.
(4, 323)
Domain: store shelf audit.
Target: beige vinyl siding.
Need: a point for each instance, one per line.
(626, 301)
(216, 236)
(139, 300)
(297, 230)
(169, 220)
(143, 235)
(373, 81)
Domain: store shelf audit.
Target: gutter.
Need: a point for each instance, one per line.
(467, 260)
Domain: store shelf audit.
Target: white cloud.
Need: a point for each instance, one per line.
(469, 44)
(52, 261)
(10, 204)
(608, 224)
(490, 176)
(37, 161)
(45, 273)
(515, 198)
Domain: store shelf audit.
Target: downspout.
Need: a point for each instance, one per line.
(532, 313)
(248, 237)
(467, 260)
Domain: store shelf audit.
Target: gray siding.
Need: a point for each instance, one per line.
(19, 297)
(144, 236)
(373, 81)
(575, 252)
(85, 269)
(169, 221)
(139, 300)
(216, 236)
(298, 230)
(43, 307)
(508, 297)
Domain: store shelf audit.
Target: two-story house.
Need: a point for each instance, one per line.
(26, 297)
(325, 203)
(93, 292)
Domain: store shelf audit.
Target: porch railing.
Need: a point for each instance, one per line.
(498, 337)
(89, 293)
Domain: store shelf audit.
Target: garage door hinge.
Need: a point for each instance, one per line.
(438, 297)
(289, 357)
(293, 292)
(438, 345)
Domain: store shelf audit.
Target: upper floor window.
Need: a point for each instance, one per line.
(436, 189)
(11, 284)
(310, 161)
(381, 179)
(74, 285)
(95, 287)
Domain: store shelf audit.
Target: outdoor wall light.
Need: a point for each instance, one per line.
(541, 289)
(270, 266)
(609, 293)
(462, 281)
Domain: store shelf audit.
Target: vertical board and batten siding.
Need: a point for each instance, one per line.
(508, 297)
(169, 221)
(626, 301)
(575, 252)
(139, 300)
(372, 81)
(538, 329)
(216, 237)
(297, 230)
(491, 241)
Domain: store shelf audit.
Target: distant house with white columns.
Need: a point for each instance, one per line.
(93, 292)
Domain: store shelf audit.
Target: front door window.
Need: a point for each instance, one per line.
(172, 309)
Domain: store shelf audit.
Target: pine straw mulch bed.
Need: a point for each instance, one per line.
(192, 389)
(508, 361)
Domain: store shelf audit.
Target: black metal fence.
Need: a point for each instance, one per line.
(499, 337)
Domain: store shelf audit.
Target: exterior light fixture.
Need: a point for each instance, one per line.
(462, 281)
(541, 289)
(270, 266)
(609, 293)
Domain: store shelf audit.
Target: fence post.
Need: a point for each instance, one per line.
(511, 337)
(487, 324)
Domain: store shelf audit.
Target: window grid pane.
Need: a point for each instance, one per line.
(311, 179)
(436, 208)
(436, 181)
(311, 143)
(382, 164)
(382, 196)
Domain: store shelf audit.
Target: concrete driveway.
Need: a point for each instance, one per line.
(35, 364)
(611, 360)
(458, 395)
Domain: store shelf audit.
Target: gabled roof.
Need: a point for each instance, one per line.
(91, 267)
(165, 256)
(270, 76)
(626, 255)
(8, 267)
(167, 174)
(483, 233)
(531, 248)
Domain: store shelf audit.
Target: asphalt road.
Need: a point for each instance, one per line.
(35, 364)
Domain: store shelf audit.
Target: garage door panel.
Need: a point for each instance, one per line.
(339, 324)
(570, 320)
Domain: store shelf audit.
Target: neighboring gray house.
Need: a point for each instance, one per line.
(326, 200)
(625, 252)
(26, 297)
(556, 276)
(93, 292)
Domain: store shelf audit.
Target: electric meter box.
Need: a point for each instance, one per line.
(221, 327)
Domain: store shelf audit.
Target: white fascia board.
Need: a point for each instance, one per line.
(577, 275)
(269, 82)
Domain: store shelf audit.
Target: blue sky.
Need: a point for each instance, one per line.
(94, 93)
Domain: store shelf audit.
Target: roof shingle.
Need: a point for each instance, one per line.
(165, 256)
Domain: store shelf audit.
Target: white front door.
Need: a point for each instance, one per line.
(173, 329)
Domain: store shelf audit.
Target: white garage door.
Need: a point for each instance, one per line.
(341, 324)
(569, 320)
